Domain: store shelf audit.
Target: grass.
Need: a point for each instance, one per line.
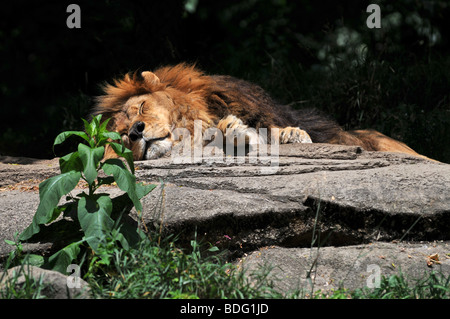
(434, 285)
(157, 268)
(31, 288)
(163, 270)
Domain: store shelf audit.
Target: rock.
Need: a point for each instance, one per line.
(339, 197)
(53, 285)
(24, 172)
(351, 196)
(351, 267)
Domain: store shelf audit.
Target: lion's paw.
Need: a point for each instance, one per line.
(294, 135)
(234, 130)
(231, 122)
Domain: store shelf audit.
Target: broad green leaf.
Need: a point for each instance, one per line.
(124, 179)
(10, 242)
(70, 162)
(65, 135)
(56, 212)
(112, 135)
(105, 138)
(50, 192)
(87, 127)
(64, 257)
(128, 235)
(124, 152)
(123, 241)
(95, 125)
(32, 259)
(90, 157)
(142, 190)
(94, 216)
(103, 125)
(97, 118)
(66, 208)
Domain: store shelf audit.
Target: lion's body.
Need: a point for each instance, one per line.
(145, 108)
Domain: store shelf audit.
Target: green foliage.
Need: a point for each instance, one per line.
(434, 285)
(50, 192)
(94, 211)
(163, 270)
(30, 288)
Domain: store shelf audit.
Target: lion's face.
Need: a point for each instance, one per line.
(145, 125)
(146, 111)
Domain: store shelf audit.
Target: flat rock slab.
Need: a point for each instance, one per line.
(349, 195)
(20, 172)
(351, 267)
(327, 194)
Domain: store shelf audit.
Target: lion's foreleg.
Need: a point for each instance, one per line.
(293, 135)
(236, 132)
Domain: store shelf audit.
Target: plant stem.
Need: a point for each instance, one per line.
(91, 188)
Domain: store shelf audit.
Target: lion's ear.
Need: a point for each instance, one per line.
(150, 78)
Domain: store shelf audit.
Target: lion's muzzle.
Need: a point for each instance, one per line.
(149, 144)
(136, 131)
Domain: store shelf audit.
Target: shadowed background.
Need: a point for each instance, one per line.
(305, 53)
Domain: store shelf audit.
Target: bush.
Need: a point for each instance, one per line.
(92, 211)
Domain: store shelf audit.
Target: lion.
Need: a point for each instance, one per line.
(146, 107)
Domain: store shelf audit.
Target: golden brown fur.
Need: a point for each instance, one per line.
(146, 107)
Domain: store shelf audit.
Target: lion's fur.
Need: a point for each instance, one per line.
(182, 93)
(177, 82)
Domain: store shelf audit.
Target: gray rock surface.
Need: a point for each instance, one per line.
(52, 284)
(351, 267)
(338, 196)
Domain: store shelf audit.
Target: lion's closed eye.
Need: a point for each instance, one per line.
(145, 108)
(141, 108)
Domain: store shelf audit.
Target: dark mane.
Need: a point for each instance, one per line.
(257, 109)
(192, 95)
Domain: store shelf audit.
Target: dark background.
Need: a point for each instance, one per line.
(306, 53)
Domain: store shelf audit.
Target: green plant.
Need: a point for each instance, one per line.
(93, 210)
(434, 285)
(163, 270)
(20, 284)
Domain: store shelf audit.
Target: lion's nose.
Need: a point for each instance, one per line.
(136, 131)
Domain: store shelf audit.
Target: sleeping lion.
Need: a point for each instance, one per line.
(146, 108)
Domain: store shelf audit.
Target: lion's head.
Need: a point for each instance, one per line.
(146, 125)
(146, 107)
